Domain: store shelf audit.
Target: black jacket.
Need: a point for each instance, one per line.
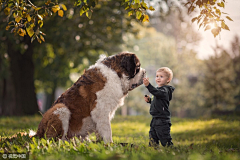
(160, 103)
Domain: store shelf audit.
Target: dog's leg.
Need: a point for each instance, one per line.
(63, 114)
(103, 125)
(98, 137)
(105, 131)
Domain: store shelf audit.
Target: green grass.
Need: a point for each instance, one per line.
(194, 139)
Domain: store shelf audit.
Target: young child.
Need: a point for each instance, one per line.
(159, 109)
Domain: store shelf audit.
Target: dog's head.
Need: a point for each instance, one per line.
(128, 68)
(132, 69)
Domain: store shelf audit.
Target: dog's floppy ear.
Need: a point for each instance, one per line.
(129, 64)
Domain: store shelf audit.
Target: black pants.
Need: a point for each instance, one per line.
(160, 131)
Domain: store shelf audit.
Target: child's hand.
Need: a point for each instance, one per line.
(146, 81)
(146, 98)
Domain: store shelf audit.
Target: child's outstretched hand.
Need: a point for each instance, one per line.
(146, 98)
(146, 81)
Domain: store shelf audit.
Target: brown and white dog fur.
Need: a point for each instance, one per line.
(90, 103)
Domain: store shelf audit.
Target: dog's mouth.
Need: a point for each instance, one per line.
(135, 85)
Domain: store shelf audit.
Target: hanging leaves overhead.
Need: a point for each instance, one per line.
(211, 16)
(24, 15)
(25, 18)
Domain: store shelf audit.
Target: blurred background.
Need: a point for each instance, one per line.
(206, 69)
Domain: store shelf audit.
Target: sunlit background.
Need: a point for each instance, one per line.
(206, 69)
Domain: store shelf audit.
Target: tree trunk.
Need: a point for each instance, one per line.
(22, 75)
(50, 97)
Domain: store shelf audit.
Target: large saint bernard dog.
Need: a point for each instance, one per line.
(90, 103)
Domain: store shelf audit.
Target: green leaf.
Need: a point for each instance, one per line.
(229, 18)
(138, 14)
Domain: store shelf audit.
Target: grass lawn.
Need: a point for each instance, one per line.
(194, 139)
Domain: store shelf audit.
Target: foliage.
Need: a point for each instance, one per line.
(24, 17)
(216, 138)
(219, 81)
(210, 15)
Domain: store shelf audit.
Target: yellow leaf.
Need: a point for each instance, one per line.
(60, 13)
(144, 5)
(39, 40)
(81, 11)
(151, 8)
(18, 19)
(223, 25)
(55, 8)
(29, 18)
(7, 11)
(30, 31)
(226, 27)
(138, 14)
(21, 32)
(63, 7)
(130, 13)
(89, 14)
(40, 22)
(36, 9)
(48, 2)
(42, 38)
(229, 18)
(135, 6)
(7, 28)
(207, 27)
(146, 18)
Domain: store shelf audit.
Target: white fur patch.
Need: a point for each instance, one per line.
(64, 116)
(31, 133)
(108, 100)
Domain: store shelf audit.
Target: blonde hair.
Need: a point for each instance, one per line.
(168, 71)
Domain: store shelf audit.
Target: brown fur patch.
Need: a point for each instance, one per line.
(79, 99)
(51, 125)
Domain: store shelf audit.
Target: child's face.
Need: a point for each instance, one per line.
(161, 79)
